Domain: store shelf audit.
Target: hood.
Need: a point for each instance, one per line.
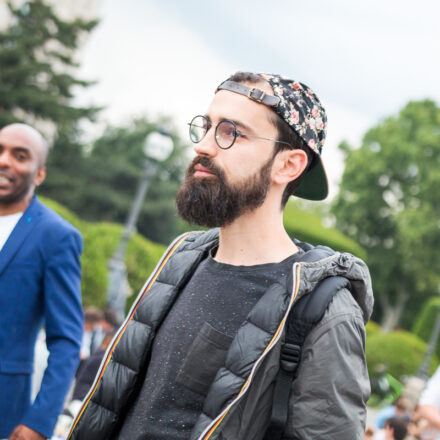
(321, 262)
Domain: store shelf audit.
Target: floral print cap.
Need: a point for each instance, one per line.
(303, 111)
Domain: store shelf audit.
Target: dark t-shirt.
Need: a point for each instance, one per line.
(191, 345)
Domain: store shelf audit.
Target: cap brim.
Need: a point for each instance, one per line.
(314, 184)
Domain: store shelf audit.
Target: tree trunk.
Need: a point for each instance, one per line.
(392, 313)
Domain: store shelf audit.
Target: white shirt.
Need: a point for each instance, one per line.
(7, 225)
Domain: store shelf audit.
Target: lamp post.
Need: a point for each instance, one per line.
(435, 333)
(157, 147)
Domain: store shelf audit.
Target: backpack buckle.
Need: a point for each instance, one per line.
(290, 356)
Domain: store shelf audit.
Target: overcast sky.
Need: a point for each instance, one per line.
(365, 60)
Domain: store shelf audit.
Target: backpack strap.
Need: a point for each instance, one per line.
(304, 315)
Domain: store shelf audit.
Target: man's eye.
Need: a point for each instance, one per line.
(21, 157)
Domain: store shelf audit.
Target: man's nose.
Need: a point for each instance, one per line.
(5, 159)
(207, 146)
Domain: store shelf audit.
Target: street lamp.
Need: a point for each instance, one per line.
(432, 344)
(157, 147)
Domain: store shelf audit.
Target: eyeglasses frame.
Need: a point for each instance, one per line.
(237, 133)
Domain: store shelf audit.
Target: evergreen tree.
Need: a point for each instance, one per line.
(36, 60)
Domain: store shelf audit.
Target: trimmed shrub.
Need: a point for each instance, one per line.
(100, 242)
(400, 352)
(307, 226)
(372, 328)
(426, 319)
(63, 212)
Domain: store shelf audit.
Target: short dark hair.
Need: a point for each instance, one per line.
(285, 134)
(92, 315)
(399, 427)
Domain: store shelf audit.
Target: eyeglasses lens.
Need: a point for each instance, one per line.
(198, 128)
(225, 134)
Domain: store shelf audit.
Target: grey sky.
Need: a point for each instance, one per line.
(365, 60)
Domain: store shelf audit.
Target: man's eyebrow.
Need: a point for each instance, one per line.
(18, 148)
(21, 149)
(238, 123)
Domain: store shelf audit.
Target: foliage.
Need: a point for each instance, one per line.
(36, 58)
(426, 319)
(100, 242)
(372, 328)
(307, 226)
(101, 185)
(400, 352)
(67, 174)
(388, 203)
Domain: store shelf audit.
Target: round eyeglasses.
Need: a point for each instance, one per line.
(225, 132)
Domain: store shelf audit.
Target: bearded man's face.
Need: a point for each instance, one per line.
(214, 202)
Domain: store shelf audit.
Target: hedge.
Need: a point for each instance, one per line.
(307, 226)
(100, 242)
(425, 321)
(372, 328)
(400, 352)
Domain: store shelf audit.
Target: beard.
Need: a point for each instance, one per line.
(22, 185)
(213, 202)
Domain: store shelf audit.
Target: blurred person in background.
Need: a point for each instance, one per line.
(427, 414)
(89, 369)
(369, 433)
(83, 382)
(395, 429)
(397, 409)
(40, 284)
(92, 336)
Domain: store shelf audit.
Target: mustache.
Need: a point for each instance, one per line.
(207, 163)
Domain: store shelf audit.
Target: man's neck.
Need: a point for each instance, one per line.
(254, 238)
(16, 207)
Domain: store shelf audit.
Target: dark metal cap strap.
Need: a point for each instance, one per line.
(251, 92)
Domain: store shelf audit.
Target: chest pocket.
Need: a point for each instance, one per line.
(205, 356)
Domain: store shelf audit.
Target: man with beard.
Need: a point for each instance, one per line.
(202, 348)
(39, 283)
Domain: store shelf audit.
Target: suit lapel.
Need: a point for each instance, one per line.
(23, 228)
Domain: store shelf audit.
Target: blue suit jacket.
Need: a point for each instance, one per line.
(39, 284)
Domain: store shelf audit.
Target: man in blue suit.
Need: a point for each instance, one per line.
(39, 284)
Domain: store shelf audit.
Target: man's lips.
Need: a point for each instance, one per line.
(200, 170)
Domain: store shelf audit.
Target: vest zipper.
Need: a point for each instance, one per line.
(146, 287)
(209, 431)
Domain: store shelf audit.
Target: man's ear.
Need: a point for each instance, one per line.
(289, 165)
(40, 176)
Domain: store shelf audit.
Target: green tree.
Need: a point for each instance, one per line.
(101, 185)
(388, 202)
(67, 177)
(36, 60)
